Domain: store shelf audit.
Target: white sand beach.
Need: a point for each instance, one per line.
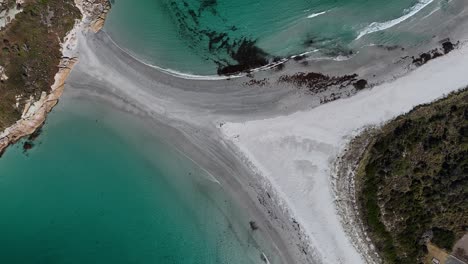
(296, 152)
(271, 147)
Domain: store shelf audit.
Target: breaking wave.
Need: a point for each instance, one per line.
(379, 26)
(316, 14)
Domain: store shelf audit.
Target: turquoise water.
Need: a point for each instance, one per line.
(96, 188)
(201, 36)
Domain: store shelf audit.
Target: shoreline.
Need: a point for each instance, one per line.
(35, 113)
(378, 56)
(98, 76)
(196, 117)
(193, 112)
(309, 142)
(348, 172)
(345, 186)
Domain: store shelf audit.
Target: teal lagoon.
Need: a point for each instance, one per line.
(97, 188)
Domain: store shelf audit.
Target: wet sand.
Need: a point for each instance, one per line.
(190, 115)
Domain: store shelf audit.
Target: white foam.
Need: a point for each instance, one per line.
(379, 26)
(175, 73)
(316, 14)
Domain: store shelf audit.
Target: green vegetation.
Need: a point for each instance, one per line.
(443, 238)
(30, 52)
(414, 180)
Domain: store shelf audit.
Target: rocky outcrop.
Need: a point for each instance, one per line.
(8, 11)
(94, 12)
(35, 112)
(318, 82)
(446, 47)
(3, 76)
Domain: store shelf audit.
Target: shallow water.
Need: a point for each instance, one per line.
(96, 188)
(200, 36)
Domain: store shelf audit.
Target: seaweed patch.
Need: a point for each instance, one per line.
(232, 53)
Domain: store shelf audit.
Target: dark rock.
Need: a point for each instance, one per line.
(299, 57)
(248, 56)
(317, 82)
(360, 84)
(253, 225)
(390, 48)
(215, 38)
(279, 67)
(28, 145)
(425, 57)
(422, 59)
(309, 42)
(35, 134)
(448, 47)
(255, 82)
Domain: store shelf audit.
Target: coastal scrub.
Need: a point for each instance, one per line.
(30, 53)
(414, 181)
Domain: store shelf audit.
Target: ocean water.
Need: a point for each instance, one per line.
(202, 36)
(96, 188)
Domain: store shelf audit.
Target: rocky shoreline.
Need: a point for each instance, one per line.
(344, 184)
(158, 101)
(423, 141)
(35, 113)
(94, 13)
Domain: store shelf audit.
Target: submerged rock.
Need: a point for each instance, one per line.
(27, 145)
(248, 56)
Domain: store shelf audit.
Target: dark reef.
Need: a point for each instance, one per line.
(360, 84)
(255, 82)
(232, 53)
(318, 82)
(27, 145)
(248, 56)
(446, 47)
